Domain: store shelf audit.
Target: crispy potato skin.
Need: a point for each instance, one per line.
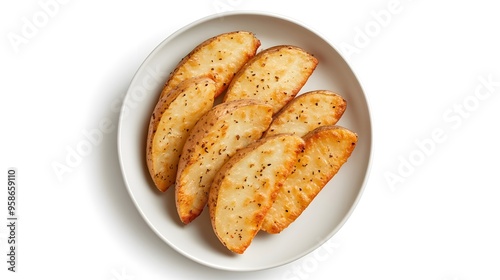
(219, 57)
(214, 139)
(245, 187)
(275, 76)
(171, 121)
(259, 158)
(308, 111)
(327, 148)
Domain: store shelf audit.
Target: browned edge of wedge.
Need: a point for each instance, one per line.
(327, 148)
(308, 111)
(185, 120)
(245, 187)
(213, 58)
(274, 75)
(223, 130)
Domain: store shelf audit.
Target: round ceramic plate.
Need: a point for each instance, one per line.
(328, 211)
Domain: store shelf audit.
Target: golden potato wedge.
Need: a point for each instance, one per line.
(245, 187)
(219, 57)
(327, 148)
(307, 112)
(173, 117)
(226, 128)
(274, 75)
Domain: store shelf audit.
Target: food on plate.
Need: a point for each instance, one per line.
(171, 121)
(219, 57)
(274, 75)
(307, 112)
(244, 188)
(327, 148)
(259, 154)
(217, 136)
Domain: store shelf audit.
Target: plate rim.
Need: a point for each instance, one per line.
(200, 21)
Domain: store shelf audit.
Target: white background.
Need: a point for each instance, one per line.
(421, 64)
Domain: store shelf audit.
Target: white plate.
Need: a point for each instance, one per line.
(326, 214)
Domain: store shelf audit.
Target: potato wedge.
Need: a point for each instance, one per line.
(327, 148)
(219, 57)
(214, 139)
(274, 75)
(173, 117)
(307, 112)
(245, 187)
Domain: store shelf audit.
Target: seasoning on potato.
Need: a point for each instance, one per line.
(219, 57)
(223, 130)
(327, 148)
(307, 112)
(275, 76)
(171, 121)
(259, 158)
(244, 188)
